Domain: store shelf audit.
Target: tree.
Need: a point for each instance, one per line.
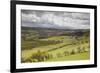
(73, 51)
(79, 50)
(66, 53)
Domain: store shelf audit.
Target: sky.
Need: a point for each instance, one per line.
(55, 19)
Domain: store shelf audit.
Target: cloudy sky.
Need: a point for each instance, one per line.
(55, 19)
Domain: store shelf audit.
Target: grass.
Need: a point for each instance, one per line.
(80, 56)
(55, 48)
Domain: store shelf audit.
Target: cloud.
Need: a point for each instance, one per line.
(52, 19)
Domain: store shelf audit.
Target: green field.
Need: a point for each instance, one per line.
(44, 45)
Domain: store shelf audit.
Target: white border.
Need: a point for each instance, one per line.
(20, 65)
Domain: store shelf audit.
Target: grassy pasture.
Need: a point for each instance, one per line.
(53, 48)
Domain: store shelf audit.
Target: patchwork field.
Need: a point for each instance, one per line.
(47, 45)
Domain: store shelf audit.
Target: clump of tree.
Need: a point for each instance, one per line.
(72, 52)
(66, 53)
(41, 56)
(79, 50)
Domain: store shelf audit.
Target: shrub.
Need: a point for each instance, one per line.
(72, 52)
(41, 56)
(66, 53)
(79, 50)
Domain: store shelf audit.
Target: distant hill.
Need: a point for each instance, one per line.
(41, 28)
(48, 32)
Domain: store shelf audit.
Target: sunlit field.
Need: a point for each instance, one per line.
(51, 45)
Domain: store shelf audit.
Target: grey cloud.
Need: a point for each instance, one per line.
(51, 19)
